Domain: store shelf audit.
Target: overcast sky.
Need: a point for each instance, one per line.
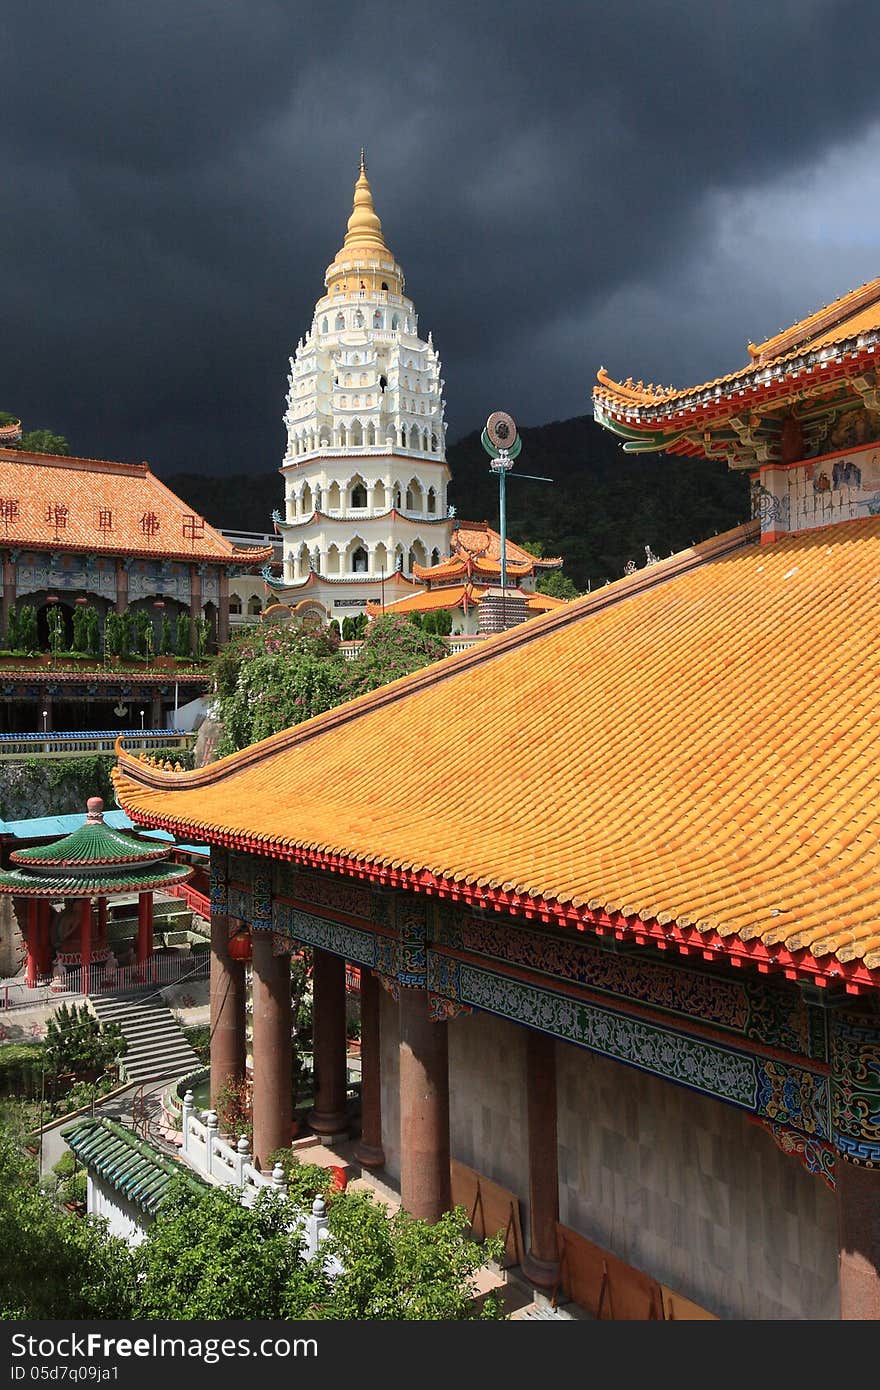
(644, 185)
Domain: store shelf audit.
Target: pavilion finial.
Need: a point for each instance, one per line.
(364, 227)
(363, 160)
(94, 810)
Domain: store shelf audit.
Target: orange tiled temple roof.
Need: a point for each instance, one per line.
(145, 517)
(690, 751)
(426, 600)
(846, 320)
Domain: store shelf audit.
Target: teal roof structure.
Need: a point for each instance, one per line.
(126, 1163)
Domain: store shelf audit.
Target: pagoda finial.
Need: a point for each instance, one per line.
(94, 810)
(364, 227)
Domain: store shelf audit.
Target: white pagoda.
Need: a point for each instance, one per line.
(365, 473)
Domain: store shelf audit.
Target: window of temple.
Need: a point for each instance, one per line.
(397, 498)
(359, 560)
(234, 604)
(435, 556)
(358, 319)
(340, 322)
(432, 500)
(433, 443)
(255, 607)
(356, 435)
(384, 286)
(398, 558)
(380, 559)
(363, 378)
(377, 319)
(333, 559)
(383, 382)
(303, 562)
(359, 495)
(333, 497)
(395, 322)
(323, 325)
(307, 504)
(379, 494)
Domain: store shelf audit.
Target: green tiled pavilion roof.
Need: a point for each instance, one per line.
(89, 883)
(94, 843)
(128, 1164)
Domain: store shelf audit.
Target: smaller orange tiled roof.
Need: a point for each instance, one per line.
(428, 600)
(105, 508)
(476, 551)
(543, 603)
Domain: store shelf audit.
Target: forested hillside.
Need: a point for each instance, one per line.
(601, 510)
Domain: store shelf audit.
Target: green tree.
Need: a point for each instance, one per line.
(58, 1265)
(557, 585)
(85, 629)
(276, 690)
(24, 621)
(392, 647)
(182, 634)
(43, 442)
(165, 639)
(76, 1042)
(117, 634)
(403, 1269)
(55, 627)
(142, 632)
(206, 1257)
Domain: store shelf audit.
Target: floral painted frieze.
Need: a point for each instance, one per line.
(349, 942)
(755, 1010)
(855, 1086)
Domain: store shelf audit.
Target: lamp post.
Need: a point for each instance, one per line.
(502, 443)
(45, 720)
(382, 584)
(142, 721)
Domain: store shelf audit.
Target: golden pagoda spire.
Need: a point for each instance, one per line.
(364, 227)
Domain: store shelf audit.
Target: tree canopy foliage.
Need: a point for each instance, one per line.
(273, 676)
(43, 442)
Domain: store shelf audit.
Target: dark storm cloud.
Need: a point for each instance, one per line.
(564, 186)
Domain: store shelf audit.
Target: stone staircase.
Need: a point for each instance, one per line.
(156, 1044)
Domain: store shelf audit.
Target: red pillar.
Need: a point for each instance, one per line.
(425, 1189)
(145, 927)
(227, 1011)
(368, 1150)
(85, 945)
(329, 1117)
(44, 933)
(541, 1262)
(102, 921)
(32, 967)
(858, 1213)
(273, 1057)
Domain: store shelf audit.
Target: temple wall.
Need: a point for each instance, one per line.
(487, 1099)
(12, 947)
(691, 1191)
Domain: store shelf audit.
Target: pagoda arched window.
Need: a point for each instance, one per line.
(395, 322)
(377, 319)
(332, 559)
(339, 323)
(435, 556)
(235, 604)
(384, 286)
(432, 500)
(358, 319)
(359, 560)
(255, 607)
(323, 325)
(359, 495)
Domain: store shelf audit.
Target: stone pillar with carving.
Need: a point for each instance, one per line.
(855, 1118)
(228, 1021)
(272, 1048)
(9, 593)
(425, 1189)
(195, 588)
(223, 608)
(541, 1262)
(329, 1117)
(368, 1150)
(121, 585)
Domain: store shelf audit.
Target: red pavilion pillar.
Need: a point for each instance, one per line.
(145, 927)
(102, 921)
(541, 1262)
(425, 1189)
(329, 1118)
(32, 942)
(858, 1214)
(368, 1150)
(85, 945)
(227, 1011)
(44, 936)
(273, 1058)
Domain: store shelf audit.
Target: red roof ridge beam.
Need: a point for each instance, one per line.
(648, 578)
(800, 965)
(71, 461)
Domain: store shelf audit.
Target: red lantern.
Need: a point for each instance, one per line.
(240, 946)
(340, 1180)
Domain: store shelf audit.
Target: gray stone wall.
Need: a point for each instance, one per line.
(692, 1192)
(12, 947)
(487, 1099)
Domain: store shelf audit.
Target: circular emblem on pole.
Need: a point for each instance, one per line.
(501, 429)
